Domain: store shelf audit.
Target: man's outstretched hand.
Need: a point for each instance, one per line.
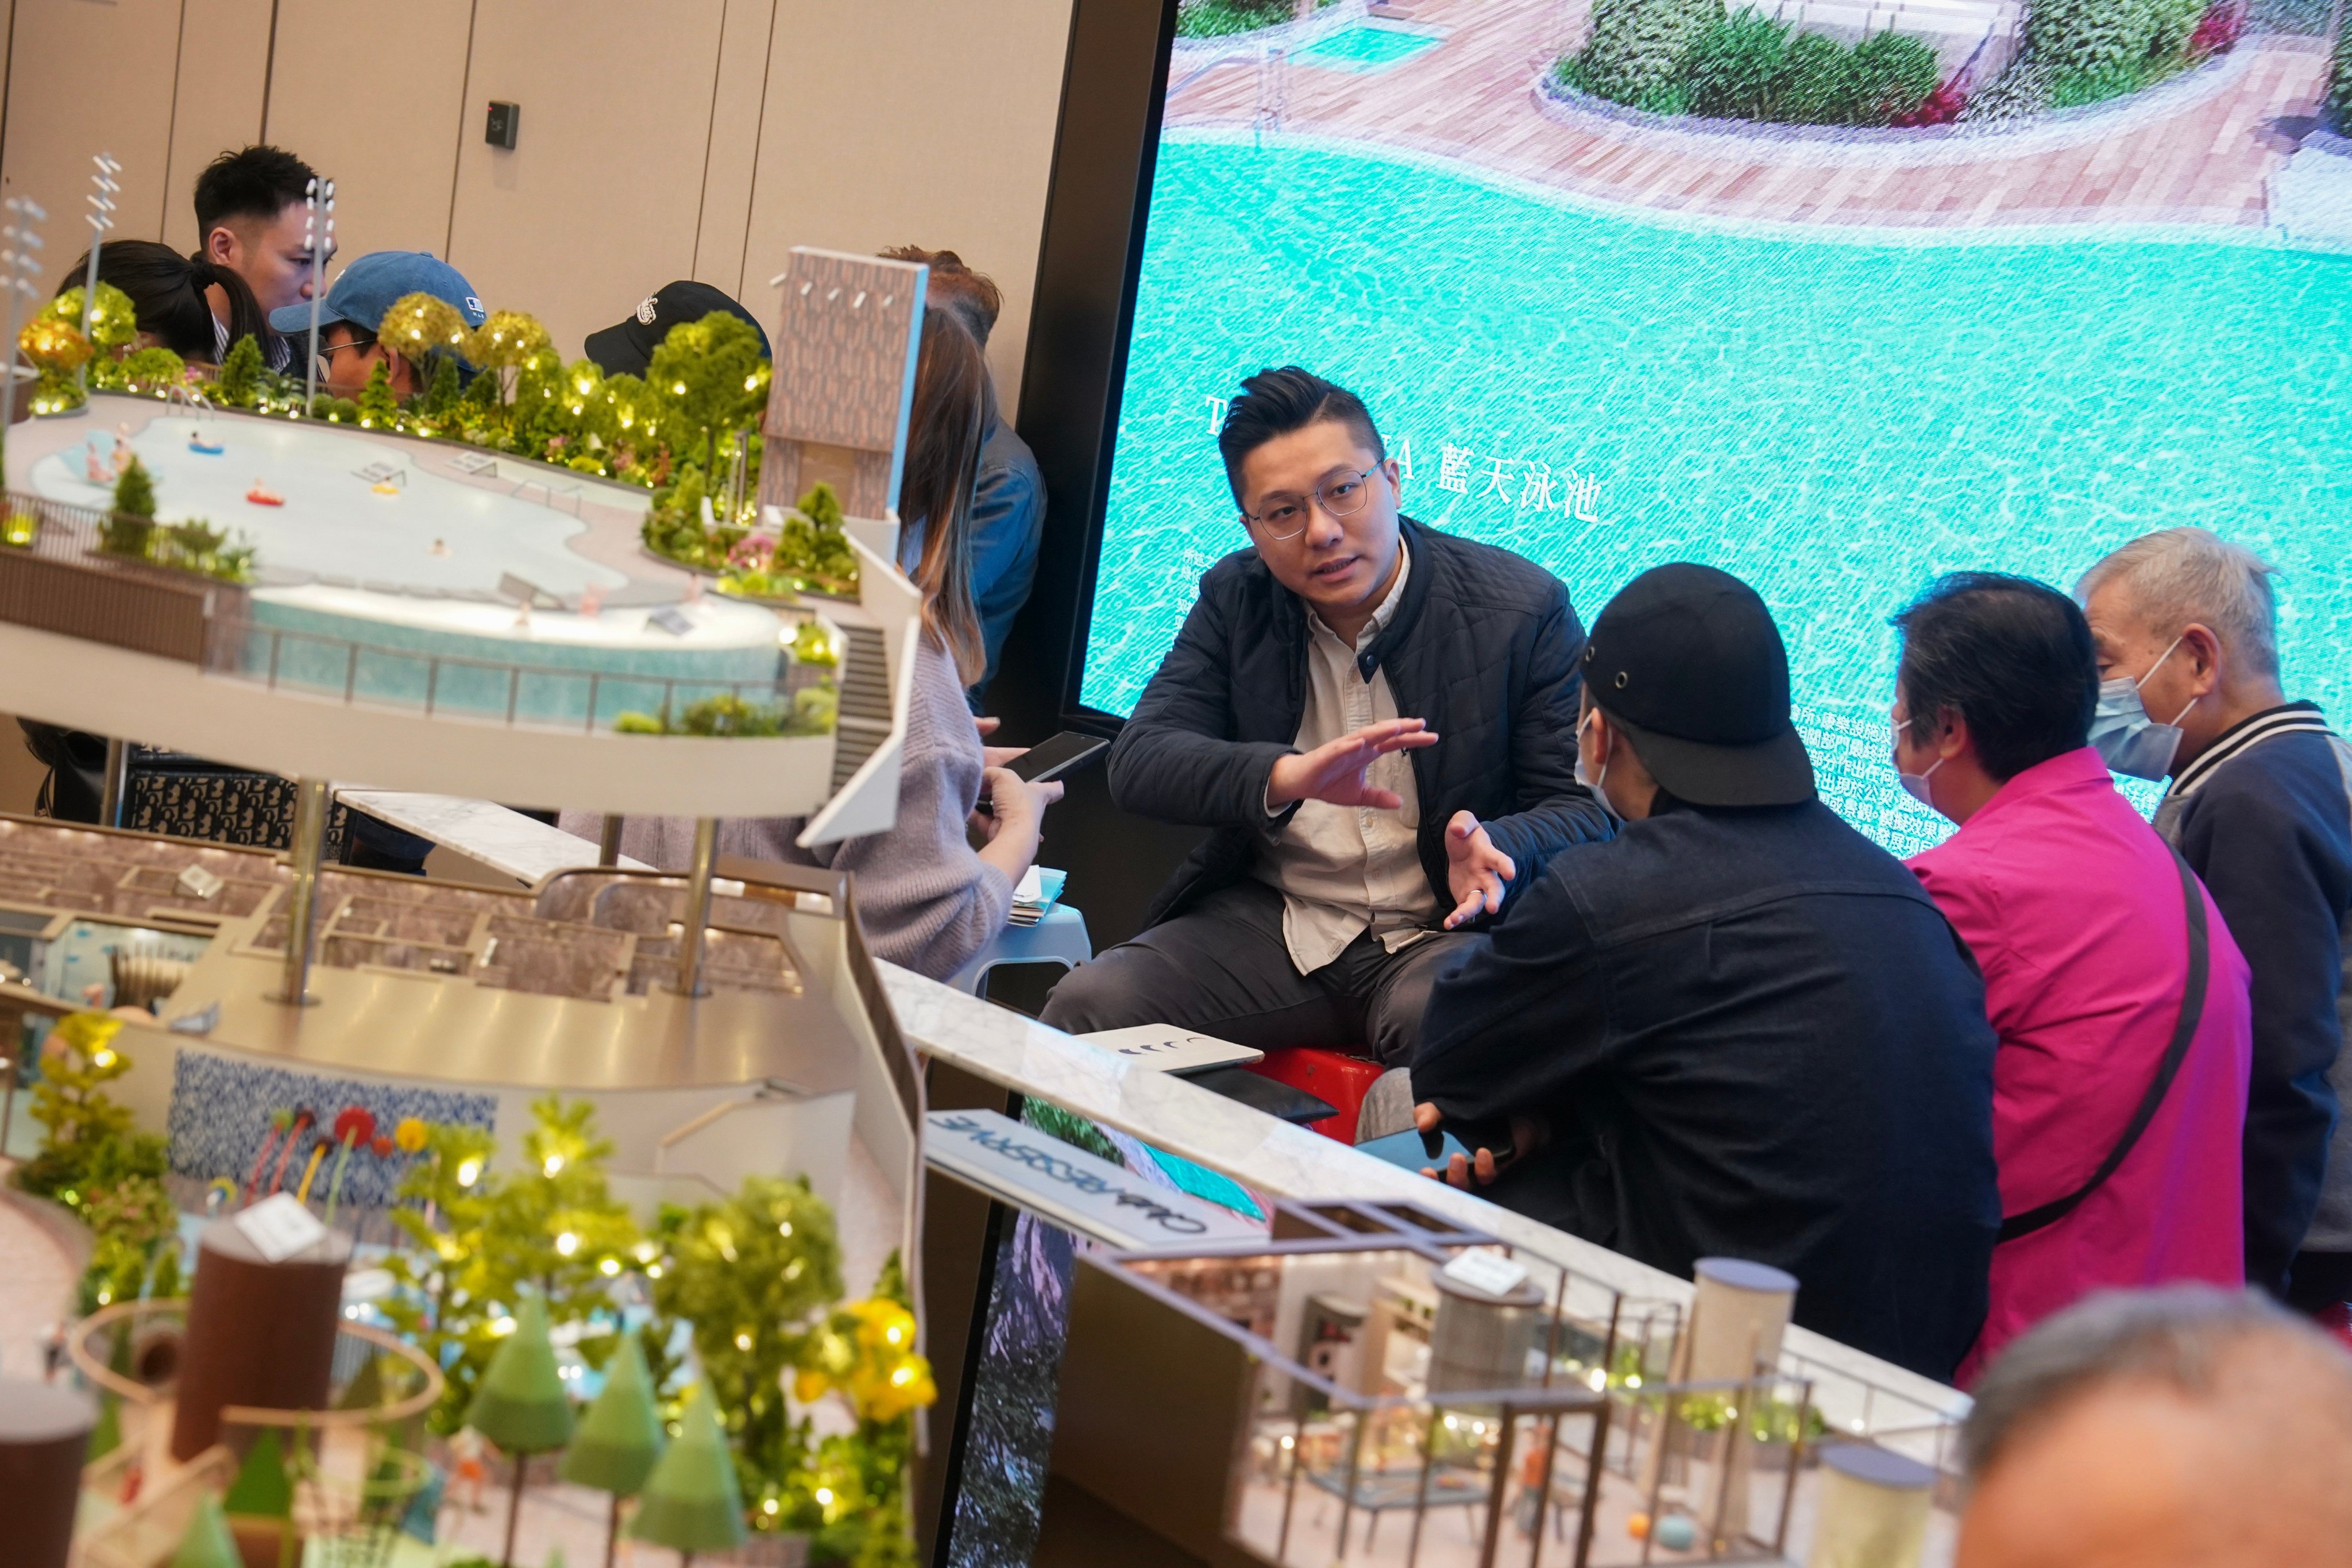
(1527, 1135)
(1476, 873)
(1333, 772)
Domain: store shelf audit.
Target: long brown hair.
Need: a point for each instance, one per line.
(954, 406)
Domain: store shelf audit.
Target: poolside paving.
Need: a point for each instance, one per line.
(2201, 153)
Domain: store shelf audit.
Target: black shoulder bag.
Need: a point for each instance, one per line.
(2192, 1009)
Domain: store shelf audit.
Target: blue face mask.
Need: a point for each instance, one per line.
(2130, 742)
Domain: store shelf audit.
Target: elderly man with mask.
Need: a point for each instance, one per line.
(2260, 806)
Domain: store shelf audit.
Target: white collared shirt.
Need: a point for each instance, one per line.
(1346, 870)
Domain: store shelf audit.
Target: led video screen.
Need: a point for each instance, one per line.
(1835, 295)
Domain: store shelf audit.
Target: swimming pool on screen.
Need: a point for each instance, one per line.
(1836, 418)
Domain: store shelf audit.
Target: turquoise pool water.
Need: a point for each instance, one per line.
(1834, 421)
(1366, 46)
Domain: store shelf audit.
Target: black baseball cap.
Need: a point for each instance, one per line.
(629, 346)
(1686, 661)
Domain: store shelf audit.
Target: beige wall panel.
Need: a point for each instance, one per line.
(371, 96)
(598, 205)
(224, 65)
(912, 122)
(60, 113)
(741, 85)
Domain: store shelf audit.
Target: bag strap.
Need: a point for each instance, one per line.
(2192, 1009)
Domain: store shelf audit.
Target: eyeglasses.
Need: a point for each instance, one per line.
(1284, 516)
(326, 352)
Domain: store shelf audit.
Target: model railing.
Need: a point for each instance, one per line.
(55, 575)
(441, 684)
(60, 579)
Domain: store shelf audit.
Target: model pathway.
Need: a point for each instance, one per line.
(1472, 99)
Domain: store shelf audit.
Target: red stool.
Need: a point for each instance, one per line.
(1329, 1076)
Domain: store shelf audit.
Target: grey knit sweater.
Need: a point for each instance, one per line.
(924, 899)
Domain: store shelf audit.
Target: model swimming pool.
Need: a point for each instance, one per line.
(1836, 421)
(1366, 46)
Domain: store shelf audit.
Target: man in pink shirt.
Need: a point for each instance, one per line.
(2079, 915)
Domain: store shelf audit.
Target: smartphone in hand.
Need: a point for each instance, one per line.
(1063, 753)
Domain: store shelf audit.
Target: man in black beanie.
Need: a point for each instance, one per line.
(1738, 1028)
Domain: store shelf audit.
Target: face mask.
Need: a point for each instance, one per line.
(1916, 784)
(1592, 783)
(2128, 740)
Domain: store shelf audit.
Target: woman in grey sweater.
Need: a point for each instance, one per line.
(926, 897)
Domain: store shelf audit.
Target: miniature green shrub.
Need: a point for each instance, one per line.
(153, 370)
(1750, 66)
(238, 385)
(377, 409)
(134, 491)
(1636, 46)
(1222, 18)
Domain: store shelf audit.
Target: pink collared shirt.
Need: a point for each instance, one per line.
(2072, 905)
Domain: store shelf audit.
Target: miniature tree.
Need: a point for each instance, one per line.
(134, 491)
(153, 370)
(264, 1492)
(113, 319)
(56, 349)
(379, 410)
(691, 1502)
(94, 1162)
(748, 1273)
(420, 325)
(619, 1438)
(521, 1405)
(128, 527)
(715, 377)
(505, 342)
(207, 1543)
(854, 1494)
(551, 1225)
(240, 383)
(441, 395)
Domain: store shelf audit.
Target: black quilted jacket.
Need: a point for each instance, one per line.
(1484, 646)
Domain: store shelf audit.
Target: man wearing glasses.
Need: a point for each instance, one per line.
(355, 308)
(1379, 721)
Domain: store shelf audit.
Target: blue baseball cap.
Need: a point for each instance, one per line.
(368, 287)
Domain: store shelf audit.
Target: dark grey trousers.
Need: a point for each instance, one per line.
(1222, 968)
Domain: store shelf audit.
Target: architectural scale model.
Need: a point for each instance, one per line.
(612, 1044)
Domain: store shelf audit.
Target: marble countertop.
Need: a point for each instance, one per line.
(522, 847)
(1274, 1157)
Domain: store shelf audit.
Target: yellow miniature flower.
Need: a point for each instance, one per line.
(408, 1137)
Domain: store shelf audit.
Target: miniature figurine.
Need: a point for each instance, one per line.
(122, 449)
(262, 495)
(93, 468)
(592, 601)
(384, 487)
(468, 1467)
(439, 547)
(196, 443)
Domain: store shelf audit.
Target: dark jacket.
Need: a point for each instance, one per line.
(2263, 815)
(1008, 515)
(1753, 1035)
(1482, 646)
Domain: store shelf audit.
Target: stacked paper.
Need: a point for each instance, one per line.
(1040, 889)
